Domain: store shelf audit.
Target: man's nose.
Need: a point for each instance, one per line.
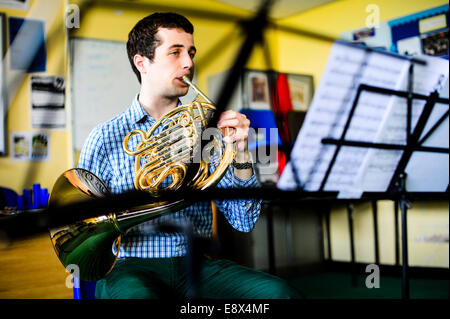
(188, 62)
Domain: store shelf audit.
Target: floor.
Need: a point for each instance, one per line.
(338, 285)
(29, 269)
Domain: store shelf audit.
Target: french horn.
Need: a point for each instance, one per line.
(163, 161)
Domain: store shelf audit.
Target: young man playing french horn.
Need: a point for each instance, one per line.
(152, 265)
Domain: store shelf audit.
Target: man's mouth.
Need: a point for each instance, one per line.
(180, 79)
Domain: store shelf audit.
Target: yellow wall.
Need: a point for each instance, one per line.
(305, 55)
(427, 229)
(19, 175)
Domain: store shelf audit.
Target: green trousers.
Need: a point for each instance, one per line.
(157, 278)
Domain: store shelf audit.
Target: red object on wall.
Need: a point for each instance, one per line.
(282, 104)
(281, 157)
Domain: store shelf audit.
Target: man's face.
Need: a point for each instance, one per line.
(173, 58)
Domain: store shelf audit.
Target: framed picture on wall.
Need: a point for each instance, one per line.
(257, 90)
(15, 4)
(301, 89)
(3, 103)
(436, 44)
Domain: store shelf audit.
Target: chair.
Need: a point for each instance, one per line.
(85, 290)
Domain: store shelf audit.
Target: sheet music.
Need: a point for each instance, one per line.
(380, 165)
(378, 118)
(347, 67)
(421, 176)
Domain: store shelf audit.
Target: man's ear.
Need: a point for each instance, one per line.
(139, 62)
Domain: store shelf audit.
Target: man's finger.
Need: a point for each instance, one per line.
(228, 123)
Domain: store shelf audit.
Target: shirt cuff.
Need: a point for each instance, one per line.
(251, 182)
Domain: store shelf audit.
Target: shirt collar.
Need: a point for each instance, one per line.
(137, 112)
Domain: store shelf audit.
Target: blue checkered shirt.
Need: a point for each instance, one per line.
(103, 155)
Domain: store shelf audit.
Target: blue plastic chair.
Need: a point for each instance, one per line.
(85, 290)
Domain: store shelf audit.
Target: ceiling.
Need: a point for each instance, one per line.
(280, 8)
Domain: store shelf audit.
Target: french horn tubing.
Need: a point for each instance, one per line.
(163, 161)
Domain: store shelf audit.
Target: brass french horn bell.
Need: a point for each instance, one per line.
(163, 161)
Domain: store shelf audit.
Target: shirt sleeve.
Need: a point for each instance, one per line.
(94, 158)
(242, 214)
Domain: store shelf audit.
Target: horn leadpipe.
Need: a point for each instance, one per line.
(196, 89)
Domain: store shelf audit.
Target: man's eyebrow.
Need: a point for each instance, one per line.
(192, 48)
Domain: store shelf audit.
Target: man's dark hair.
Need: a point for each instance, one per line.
(142, 38)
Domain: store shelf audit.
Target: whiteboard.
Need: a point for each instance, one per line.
(102, 84)
(3, 98)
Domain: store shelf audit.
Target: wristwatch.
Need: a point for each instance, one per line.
(242, 165)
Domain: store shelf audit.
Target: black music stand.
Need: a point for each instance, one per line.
(397, 189)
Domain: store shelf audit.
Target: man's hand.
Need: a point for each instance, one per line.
(241, 125)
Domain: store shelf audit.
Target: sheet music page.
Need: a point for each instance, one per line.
(380, 165)
(346, 69)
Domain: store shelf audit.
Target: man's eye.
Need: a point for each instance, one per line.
(174, 53)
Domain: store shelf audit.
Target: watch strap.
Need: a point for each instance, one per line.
(242, 165)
